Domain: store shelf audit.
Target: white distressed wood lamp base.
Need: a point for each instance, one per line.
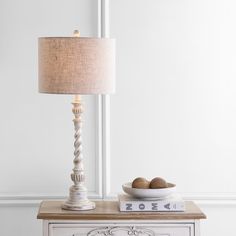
(78, 200)
(82, 205)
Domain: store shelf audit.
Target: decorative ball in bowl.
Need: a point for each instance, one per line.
(158, 188)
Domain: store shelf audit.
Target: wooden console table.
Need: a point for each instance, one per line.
(107, 220)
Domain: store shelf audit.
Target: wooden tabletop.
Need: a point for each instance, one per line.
(109, 210)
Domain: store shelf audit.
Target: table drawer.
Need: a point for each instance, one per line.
(121, 230)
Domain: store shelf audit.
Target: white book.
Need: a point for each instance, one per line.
(172, 203)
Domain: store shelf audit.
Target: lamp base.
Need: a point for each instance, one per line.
(78, 200)
(82, 206)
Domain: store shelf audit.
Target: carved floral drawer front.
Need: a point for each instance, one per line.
(121, 230)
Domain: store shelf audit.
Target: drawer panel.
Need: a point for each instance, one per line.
(121, 230)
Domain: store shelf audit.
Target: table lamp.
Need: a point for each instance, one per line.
(76, 65)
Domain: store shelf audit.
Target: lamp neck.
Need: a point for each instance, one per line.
(77, 99)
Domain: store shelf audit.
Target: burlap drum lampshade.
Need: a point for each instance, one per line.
(76, 65)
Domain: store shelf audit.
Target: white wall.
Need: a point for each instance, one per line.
(36, 130)
(174, 111)
(172, 116)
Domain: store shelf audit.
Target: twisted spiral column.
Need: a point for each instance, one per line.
(78, 172)
(78, 199)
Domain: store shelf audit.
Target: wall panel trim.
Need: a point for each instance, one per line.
(103, 22)
(216, 200)
(28, 198)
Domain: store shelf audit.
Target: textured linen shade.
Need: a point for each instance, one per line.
(76, 65)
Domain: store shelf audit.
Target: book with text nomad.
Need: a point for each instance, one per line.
(172, 203)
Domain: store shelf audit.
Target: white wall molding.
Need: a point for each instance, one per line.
(217, 199)
(99, 126)
(43, 195)
(103, 24)
(25, 199)
(203, 199)
(27, 196)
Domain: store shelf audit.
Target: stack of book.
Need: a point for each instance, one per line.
(171, 203)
